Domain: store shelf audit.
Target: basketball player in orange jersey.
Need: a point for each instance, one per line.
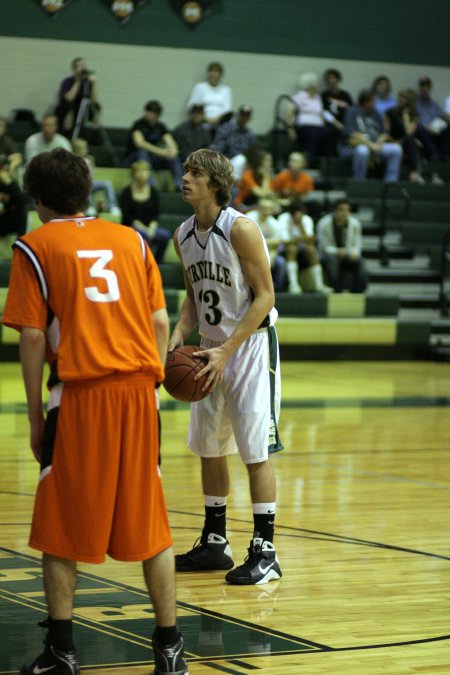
(230, 297)
(90, 291)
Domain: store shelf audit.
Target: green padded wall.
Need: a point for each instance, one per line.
(400, 32)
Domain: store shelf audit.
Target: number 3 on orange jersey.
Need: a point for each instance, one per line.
(98, 271)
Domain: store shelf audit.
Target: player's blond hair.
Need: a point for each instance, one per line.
(219, 169)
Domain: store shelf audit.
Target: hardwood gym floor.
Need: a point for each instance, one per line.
(362, 535)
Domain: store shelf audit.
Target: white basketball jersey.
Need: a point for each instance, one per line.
(222, 295)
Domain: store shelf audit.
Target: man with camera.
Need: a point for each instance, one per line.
(73, 89)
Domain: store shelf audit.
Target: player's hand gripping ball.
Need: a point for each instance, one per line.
(181, 368)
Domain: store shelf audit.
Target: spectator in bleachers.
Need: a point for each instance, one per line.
(433, 120)
(234, 140)
(139, 203)
(8, 149)
(382, 96)
(192, 134)
(367, 141)
(13, 210)
(45, 140)
(81, 149)
(293, 182)
(315, 136)
(257, 180)
(271, 229)
(301, 251)
(150, 140)
(82, 84)
(216, 97)
(340, 245)
(335, 100)
(402, 124)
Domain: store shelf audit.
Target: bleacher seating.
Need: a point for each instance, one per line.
(20, 131)
(118, 136)
(171, 202)
(119, 177)
(404, 282)
(171, 220)
(107, 157)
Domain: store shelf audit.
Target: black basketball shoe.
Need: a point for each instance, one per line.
(54, 662)
(214, 553)
(260, 566)
(169, 660)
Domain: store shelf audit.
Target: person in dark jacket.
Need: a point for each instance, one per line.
(139, 203)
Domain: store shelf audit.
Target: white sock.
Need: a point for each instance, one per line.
(215, 501)
(316, 271)
(264, 507)
(292, 274)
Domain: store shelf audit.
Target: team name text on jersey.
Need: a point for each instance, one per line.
(204, 269)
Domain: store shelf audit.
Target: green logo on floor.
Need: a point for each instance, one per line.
(114, 623)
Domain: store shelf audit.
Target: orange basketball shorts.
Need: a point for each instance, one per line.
(100, 489)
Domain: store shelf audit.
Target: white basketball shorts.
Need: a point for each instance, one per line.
(242, 412)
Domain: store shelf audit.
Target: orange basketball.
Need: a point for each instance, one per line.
(181, 368)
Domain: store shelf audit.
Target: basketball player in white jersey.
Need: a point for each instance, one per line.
(230, 297)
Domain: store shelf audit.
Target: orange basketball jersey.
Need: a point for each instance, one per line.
(92, 286)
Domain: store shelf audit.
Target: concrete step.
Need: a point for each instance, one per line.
(390, 239)
(412, 275)
(393, 251)
(441, 327)
(420, 301)
(440, 353)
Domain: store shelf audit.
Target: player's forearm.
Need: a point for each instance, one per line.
(188, 318)
(161, 324)
(32, 358)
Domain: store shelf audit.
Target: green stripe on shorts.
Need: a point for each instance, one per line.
(275, 445)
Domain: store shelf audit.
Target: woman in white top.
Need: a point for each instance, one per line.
(215, 97)
(313, 125)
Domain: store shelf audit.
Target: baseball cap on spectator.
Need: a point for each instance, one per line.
(425, 80)
(245, 109)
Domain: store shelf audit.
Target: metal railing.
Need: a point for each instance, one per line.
(387, 210)
(281, 123)
(85, 113)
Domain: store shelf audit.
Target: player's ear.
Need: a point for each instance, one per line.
(213, 186)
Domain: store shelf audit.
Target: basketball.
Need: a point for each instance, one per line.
(181, 368)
